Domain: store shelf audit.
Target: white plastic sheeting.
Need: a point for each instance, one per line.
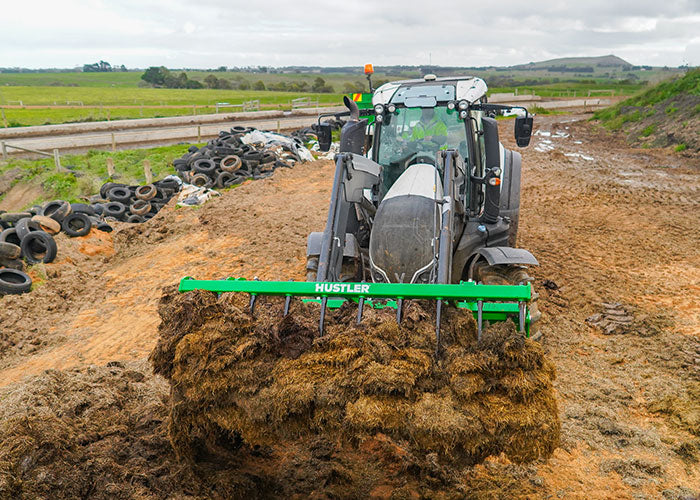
(271, 139)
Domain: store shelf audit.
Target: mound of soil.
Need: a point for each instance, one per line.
(267, 381)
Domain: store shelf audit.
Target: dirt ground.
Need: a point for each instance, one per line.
(609, 224)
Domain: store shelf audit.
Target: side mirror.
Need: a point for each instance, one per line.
(523, 130)
(324, 131)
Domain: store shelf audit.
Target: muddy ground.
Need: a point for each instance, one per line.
(609, 224)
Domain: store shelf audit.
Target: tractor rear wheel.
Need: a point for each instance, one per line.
(510, 275)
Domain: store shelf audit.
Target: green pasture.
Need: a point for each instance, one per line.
(87, 172)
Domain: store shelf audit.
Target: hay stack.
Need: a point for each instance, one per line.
(268, 380)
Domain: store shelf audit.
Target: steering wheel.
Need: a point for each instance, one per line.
(416, 157)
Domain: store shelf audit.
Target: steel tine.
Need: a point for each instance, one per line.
(521, 316)
(253, 297)
(437, 328)
(399, 309)
(360, 306)
(479, 318)
(323, 316)
(287, 302)
(252, 303)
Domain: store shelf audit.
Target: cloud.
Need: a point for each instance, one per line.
(211, 33)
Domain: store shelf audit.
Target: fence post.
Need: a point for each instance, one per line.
(57, 160)
(147, 171)
(4, 119)
(114, 143)
(194, 110)
(199, 133)
(4, 150)
(278, 126)
(110, 167)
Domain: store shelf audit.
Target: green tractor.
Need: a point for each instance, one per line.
(424, 206)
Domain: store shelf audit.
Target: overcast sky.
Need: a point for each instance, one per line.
(211, 33)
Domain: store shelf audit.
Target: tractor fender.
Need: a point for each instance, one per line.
(502, 255)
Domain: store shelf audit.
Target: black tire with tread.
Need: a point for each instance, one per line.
(38, 247)
(76, 219)
(14, 282)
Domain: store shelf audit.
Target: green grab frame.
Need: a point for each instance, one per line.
(499, 302)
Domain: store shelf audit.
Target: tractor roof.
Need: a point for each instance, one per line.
(470, 88)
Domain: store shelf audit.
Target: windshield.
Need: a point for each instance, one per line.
(415, 135)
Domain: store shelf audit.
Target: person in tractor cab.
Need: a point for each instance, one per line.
(430, 128)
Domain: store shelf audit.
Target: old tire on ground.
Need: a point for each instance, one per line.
(12, 263)
(26, 226)
(135, 219)
(57, 210)
(9, 250)
(76, 224)
(225, 179)
(201, 180)
(510, 275)
(119, 194)
(230, 163)
(82, 208)
(114, 209)
(140, 207)
(38, 247)
(14, 282)
(104, 227)
(146, 192)
(13, 218)
(10, 236)
(205, 166)
(47, 224)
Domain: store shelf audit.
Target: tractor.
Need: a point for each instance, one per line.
(425, 205)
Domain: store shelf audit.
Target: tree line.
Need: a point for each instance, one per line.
(160, 76)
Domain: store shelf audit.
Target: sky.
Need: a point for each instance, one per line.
(212, 33)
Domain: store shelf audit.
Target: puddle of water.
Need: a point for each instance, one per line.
(579, 155)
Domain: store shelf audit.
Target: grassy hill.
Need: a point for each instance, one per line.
(608, 61)
(667, 114)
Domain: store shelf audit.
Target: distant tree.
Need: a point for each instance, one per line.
(91, 68)
(211, 82)
(193, 84)
(244, 85)
(259, 85)
(155, 75)
(221, 68)
(122, 68)
(105, 66)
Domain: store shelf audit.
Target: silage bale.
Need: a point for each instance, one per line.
(267, 379)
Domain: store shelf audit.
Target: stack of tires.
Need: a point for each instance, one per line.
(29, 237)
(227, 161)
(135, 204)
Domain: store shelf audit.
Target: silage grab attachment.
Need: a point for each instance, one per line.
(487, 302)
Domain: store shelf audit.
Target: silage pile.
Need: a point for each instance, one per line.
(266, 381)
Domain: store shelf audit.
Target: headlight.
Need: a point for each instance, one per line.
(463, 114)
(463, 105)
(391, 108)
(379, 118)
(451, 105)
(379, 109)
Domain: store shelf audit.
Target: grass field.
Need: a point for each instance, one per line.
(89, 171)
(101, 93)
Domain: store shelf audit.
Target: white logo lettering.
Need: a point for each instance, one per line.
(319, 287)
